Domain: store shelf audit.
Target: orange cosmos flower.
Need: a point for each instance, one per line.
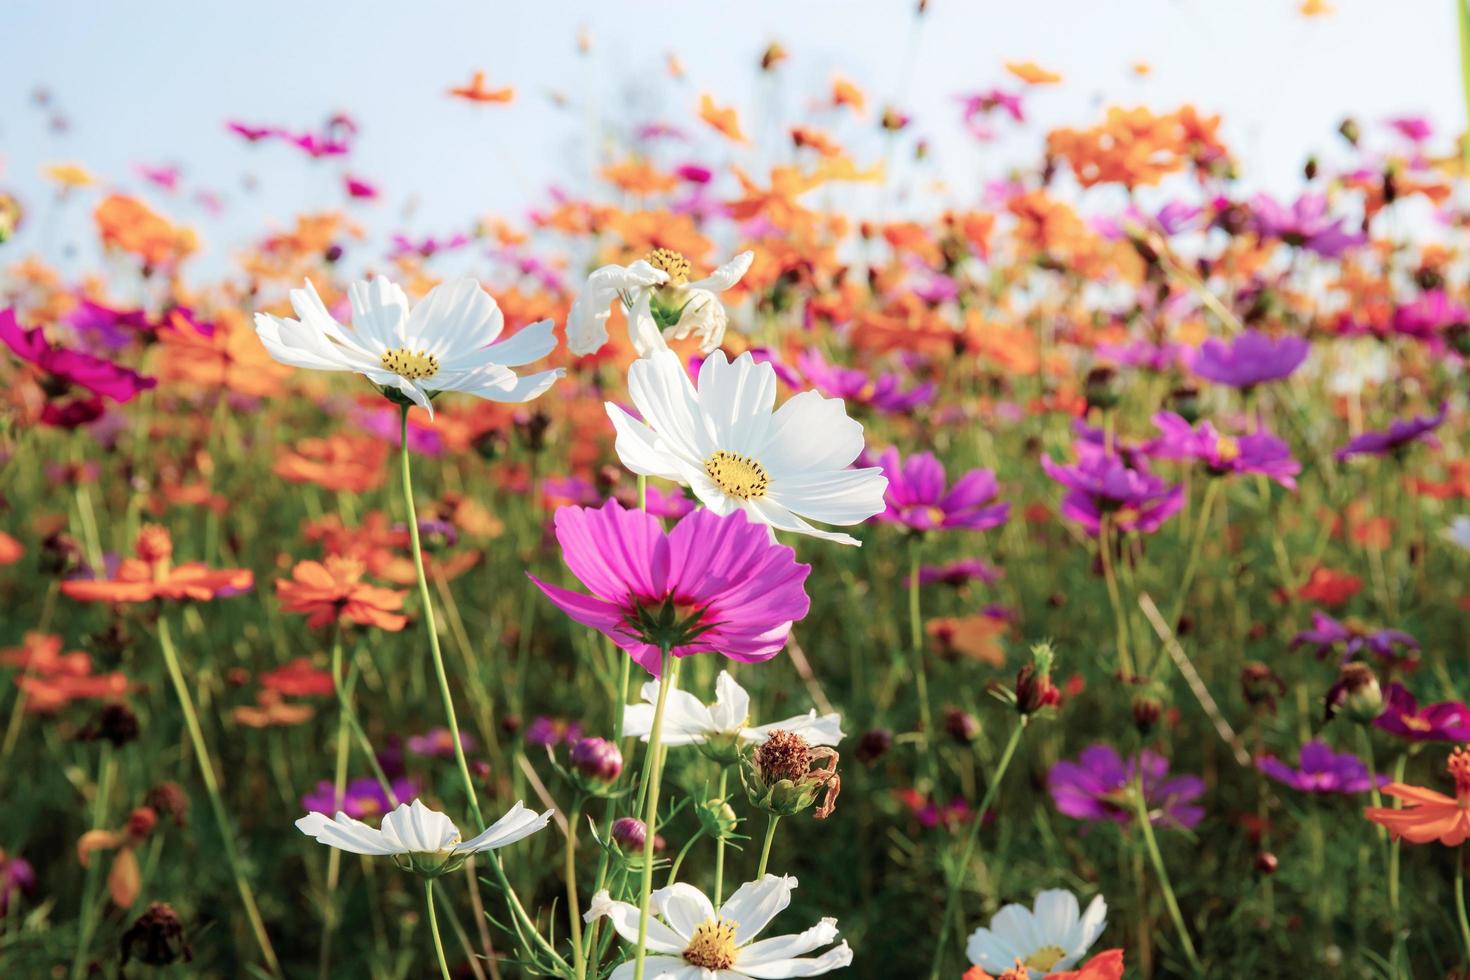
(720, 118)
(1330, 588)
(51, 679)
(10, 549)
(1031, 73)
(152, 575)
(1429, 815)
(127, 224)
(298, 679)
(476, 91)
(334, 592)
(639, 177)
(1107, 965)
(69, 175)
(354, 463)
(845, 93)
(814, 139)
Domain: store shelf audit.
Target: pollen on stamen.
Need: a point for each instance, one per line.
(669, 261)
(739, 476)
(712, 947)
(413, 365)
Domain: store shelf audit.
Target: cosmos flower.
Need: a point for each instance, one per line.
(62, 370)
(439, 743)
(711, 584)
(447, 343)
(17, 877)
(1321, 770)
(1306, 225)
(726, 722)
(360, 798)
(419, 839)
(1052, 935)
(1259, 452)
(1446, 721)
(659, 301)
(1107, 965)
(723, 441)
(959, 573)
(1096, 788)
(881, 393)
(691, 941)
(333, 592)
(1428, 815)
(1100, 484)
(1396, 438)
(1327, 633)
(918, 498)
(1251, 358)
(152, 575)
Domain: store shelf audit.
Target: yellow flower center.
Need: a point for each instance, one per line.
(1045, 958)
(739, 476)
(1227, 449)
(712, 947)
(411, 364)
(670, 261)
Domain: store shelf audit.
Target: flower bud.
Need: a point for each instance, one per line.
(961, 726)
(1101, 388)
(156, 938)
(115, 722)
(630, 835)
(169, 800)
(597, 760)
(141, 822)
(1147, 710)
(1266, 863)
(717, 818)
(1034, 689)
(873, 745)
(1355, 694)
(1260, 686)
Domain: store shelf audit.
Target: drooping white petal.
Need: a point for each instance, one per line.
(683, 907)
(518, 823)
(785, 947)
(624, 919)
(768, 511)
(755, 904)
(703, 314)
(686, 720)
(835, 958)
(816, 729)
(643, 328)
(726, 275)
(587, 319)
(346, 834)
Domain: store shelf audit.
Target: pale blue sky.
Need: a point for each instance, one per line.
(146, 81)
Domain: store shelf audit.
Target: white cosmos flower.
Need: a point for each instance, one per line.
(694, 943)
(688, 722)
(725, 443)
(654, 292)
(418, 838)
(446, 343)
(1457, 534)
(1051, 938)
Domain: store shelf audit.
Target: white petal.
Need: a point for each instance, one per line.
(783, 519)
(418, 829)
(657, 968)
(785, 947)
(810, 432)
(345, 834)
(834, 959)
(755, 904)
(492, 386)
(454, 317)
(993, 953)
(379, 313)
(624, 919)
(726, 275)
(737, 398)
(823, 730)
(530, 343)
(832, 496)
(1091, 925)
(291, 342)
(642, 328)
(732, 704)
(703, 314)
(639, 447)
(517, 824)
(665, 397)
(683, 907)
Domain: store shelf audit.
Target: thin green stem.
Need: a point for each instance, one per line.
(1202, 527)
(958, 877)
(216, 802)
(1110, 579)
(720, 843)
(771, 823)
(434, 928)
(339, 792)
(428, 604)
(569, 873)
(1460, 900)
(105, 769)
(1140, 808)
(921, 672)
(650, 812)
(679, 858)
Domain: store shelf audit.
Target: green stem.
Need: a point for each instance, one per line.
(921, 672)
(440, 675)
(434, 928)
(1110, 579)
(569, 872)
(216, 803)
(679, 858)
(105, 770)
(1460, 900)
(525, 927)
(1196, 547)
(766, 847)
(1140, 808)
(952, 895)
(720, 843)
(650, 812)
(339, 792)
(348, 715)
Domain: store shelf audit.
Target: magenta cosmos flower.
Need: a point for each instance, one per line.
(1097, 786)
(1306, 225)
(63, 369)
(1321, 770)
(1099, 484)
(918, 498)
(1396, 438)
(1250, 359)
(712, 584)
(881, 392)
(1259, 452)
(1446, 721)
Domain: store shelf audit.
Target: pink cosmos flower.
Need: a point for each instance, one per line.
(712, 584)
(917, 496)
(63, 369)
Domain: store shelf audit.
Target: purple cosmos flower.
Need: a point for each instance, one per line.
(1100, 484)
(1259, 452)
(1143, 354)
(916, 496)
(1429, 315)
(960, 573)
(712, 584)
(1321, 770)
(1446, 721)
(1096, 788)
(1416, 129)
(1396, 438)
(1249, 359)
(65, 369)
(851, 384)
(439, 743)
(106, 327)
(17, 877)
(1306, 225)
(548, 733)
(363, 797)
(1327, 633)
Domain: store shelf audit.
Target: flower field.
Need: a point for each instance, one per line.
(747, 566)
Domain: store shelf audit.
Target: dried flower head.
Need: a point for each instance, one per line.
(779, 777)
